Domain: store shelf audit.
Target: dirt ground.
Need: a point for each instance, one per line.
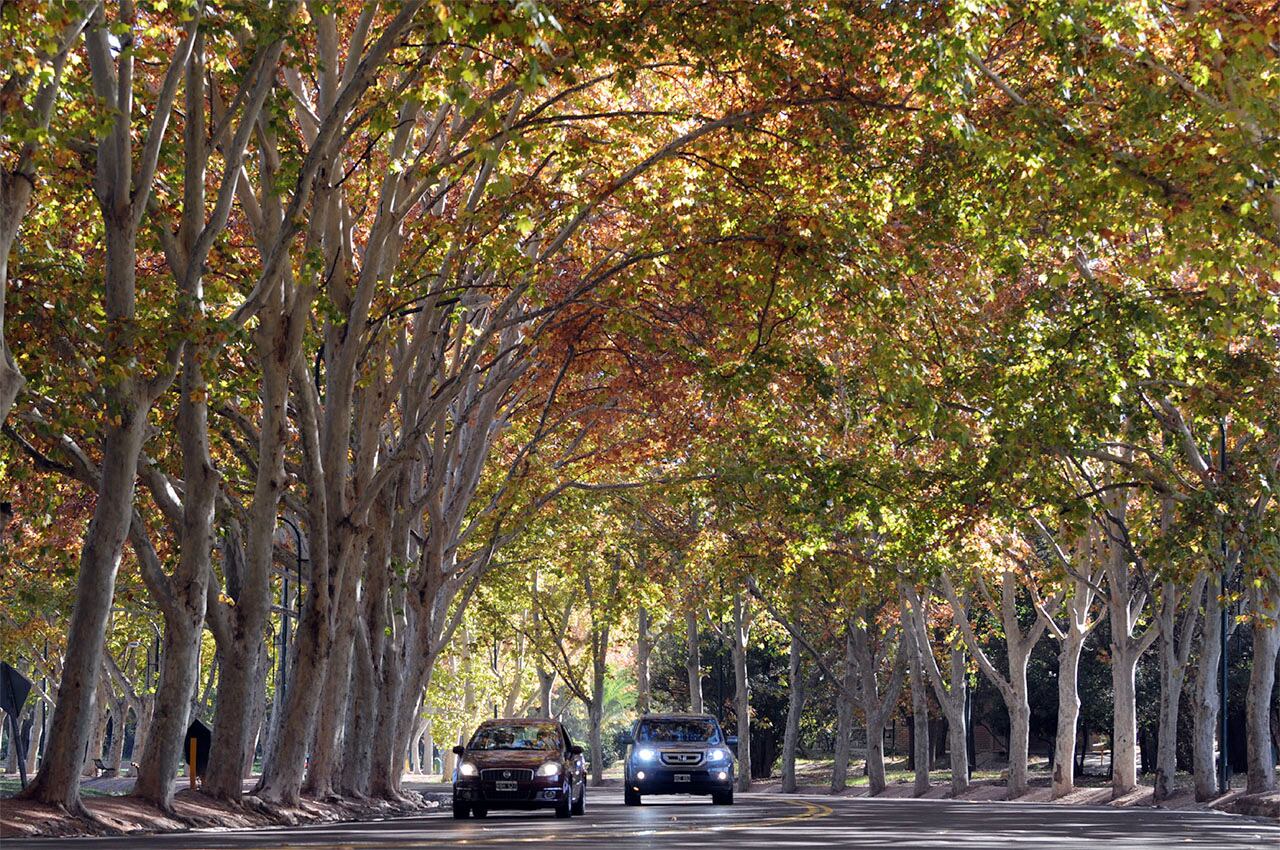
(123, 814)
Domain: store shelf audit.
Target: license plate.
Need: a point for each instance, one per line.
(505, 786)
(681, 777)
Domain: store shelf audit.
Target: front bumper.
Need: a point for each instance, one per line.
(663, 779)
(541, 792)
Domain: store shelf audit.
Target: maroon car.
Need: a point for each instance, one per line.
(519, 764)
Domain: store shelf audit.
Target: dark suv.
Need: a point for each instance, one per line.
(679, 754)
(519, 764)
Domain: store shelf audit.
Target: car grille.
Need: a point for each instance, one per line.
(680, 758)
(503, 774)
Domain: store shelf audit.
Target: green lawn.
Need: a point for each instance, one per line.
(11, 785)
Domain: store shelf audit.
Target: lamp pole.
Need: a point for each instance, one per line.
(1224, 761)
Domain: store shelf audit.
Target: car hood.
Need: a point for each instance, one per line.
(683, 747)
(510, 758)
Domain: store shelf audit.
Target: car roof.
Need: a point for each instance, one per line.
(710, 717)
(519, 721)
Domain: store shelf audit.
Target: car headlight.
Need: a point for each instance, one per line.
(717, 755)
(646, 754)
(549, 768)
(467, 769)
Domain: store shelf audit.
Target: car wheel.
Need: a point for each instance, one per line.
(461, 811)
(722, 798)
(480, 811)
(580, 807)
(631, 798)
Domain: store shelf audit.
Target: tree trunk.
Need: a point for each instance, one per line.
(693, 661)
(1019, 735)
(1013, 688)
(876, 780)
(358, 744)
(920, 754)
(1258, 701)
(323, 770)
(844, 718)
(1207, 703)
(595, 713)
(391, 692)
(1064, 752)
(375, 643)
(644, 646)
(233, 717)
(239, 629)
(282, 775)
(877, 703)
(141, 730)
(15, 197)
(951, 694)
(795, 707)
(33, 745)
(58, 782)
(546, 682)
(1124, 740)
(1176, 639)
(258, 732)
(958, 739)
(429, 748)
(116, 755)
(165, 738)
(742, 692)
(98, 738)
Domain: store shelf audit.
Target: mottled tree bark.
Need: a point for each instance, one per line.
(795, 707)
(693, 661)
(844, 717)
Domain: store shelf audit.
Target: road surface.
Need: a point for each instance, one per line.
(756, 820)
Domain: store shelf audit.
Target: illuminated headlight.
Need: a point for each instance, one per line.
(549, 768)
(717, 755)
(467, 769)
(646, 754)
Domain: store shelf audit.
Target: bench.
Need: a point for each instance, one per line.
(104, 769)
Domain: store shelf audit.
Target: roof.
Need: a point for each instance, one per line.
(673, 716)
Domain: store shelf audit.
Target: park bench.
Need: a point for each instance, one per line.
(104, 769)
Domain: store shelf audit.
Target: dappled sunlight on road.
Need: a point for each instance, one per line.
(756, 821)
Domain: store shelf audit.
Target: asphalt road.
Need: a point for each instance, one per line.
(755, 821)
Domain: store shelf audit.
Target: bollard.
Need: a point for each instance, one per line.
(191, 769)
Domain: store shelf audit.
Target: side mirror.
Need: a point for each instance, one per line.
(575, 750)
(731, 741)
(626, 740)
(460, 750)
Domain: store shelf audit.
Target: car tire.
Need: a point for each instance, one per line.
(564, 808)
(461, 811)
(480, 811)
(580, 806)
(722, 798)
(631, 798)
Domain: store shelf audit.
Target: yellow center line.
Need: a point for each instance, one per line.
(809, 811)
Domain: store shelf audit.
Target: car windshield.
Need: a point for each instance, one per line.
(690, 730)
(516, 736)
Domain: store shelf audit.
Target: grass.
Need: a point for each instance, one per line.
(818, 772)
(11, 785)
